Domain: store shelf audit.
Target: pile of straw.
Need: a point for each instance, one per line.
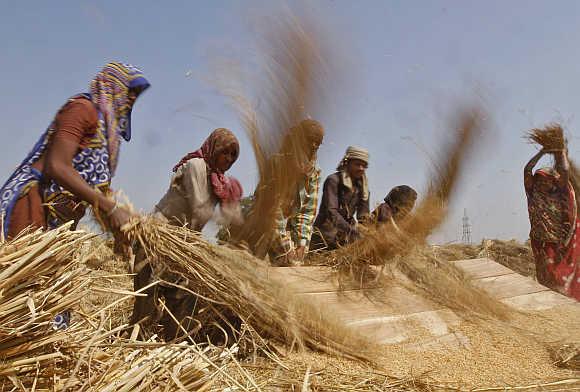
(236, 282)
(39, 278)
(43, 274)
(108, 364)
(515, 255)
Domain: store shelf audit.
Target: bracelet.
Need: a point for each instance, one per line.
(112, 210)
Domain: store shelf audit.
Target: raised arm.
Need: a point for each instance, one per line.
(562, 166)
(528, 175)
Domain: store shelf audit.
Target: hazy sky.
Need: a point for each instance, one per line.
(410, 63)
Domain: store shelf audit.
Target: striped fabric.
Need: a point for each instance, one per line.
(296, 229)
(109, 92)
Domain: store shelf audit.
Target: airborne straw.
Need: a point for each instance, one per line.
(236, 282)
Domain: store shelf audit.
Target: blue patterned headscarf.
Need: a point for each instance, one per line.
(110, 94)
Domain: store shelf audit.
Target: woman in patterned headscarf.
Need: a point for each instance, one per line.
(198, 184)
(72, 164)
(554, 224)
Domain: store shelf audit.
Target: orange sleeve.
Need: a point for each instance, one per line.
(77, 120)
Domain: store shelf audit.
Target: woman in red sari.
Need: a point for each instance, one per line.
(554, 224)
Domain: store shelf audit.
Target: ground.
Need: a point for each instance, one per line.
(498, 353)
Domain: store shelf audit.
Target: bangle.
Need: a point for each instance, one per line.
(112, 210)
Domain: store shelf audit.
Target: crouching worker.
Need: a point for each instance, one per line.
(345, 195)
(71, 166)
(398, 204)
(295, 221)
(198, 184)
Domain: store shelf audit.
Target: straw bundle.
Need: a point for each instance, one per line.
(239, 283)
(39, 278)
(99, 360)
(551, 137)
(41, 275)
(128, 366)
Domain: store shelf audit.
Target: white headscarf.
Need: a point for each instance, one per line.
(353, 152)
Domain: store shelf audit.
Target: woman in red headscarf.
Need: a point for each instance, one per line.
(554, 224)
(198, 184)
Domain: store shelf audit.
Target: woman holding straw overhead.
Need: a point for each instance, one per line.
(71, 166)
(198, 184)
(554, 222)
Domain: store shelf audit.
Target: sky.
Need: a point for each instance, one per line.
(406, 67)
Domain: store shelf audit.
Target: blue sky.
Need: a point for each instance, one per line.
(409, 64)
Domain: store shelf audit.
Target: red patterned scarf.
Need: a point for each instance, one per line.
(552, 211)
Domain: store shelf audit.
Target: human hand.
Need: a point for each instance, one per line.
(290, 256)
(122, 247)
(284, 260)
(118, 217)
(299, 253)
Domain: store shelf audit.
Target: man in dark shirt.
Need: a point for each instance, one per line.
(345, 194)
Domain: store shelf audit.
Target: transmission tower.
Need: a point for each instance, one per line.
(466, 234)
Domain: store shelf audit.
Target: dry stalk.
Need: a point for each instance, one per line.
(294, 75)
(567, 355)
(551, 137)
(240, 283)
(43, 274)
